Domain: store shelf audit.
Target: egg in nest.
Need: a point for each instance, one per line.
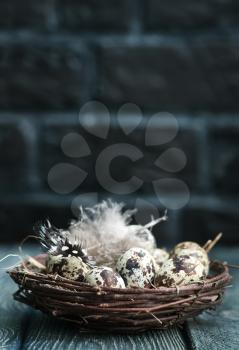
(192, 249)
(185, 245)
(104, 277)
(199, 254)
(160, 255)
(180, 270)
(137, 267)
(71, 267)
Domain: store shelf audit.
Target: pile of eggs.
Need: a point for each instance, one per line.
(187, 263)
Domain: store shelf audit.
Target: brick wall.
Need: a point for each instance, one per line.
(183, 58)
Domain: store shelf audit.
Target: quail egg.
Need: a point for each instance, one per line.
(160, 255)
(104, 277)
(137, 267)
(70, 267)
(180, 270)
(192, 249)
(199, 254)
(185, 245)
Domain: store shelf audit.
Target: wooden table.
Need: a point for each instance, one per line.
(24, 328)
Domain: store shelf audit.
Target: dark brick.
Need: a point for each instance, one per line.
(122, 168)
(53, 154)
(224, 152)
(43, 74)
(172, 75)
(26, 14)
(186, 14)
(200, 224)
(17, 219)
(93, 15)
(148, 171)
(51, 136)
(13, 158)
(19, 214)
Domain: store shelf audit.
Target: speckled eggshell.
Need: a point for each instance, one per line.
(52, 263)
(198, 253)
(104, 277)
(180, 270)
(137, 267)
(185, 245)
(71, 267)
(160, 255)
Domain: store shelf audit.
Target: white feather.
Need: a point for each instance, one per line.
(106, 231)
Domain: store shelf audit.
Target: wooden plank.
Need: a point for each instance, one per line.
(219, 330)
(46, 333)
(13, 315)
(24, 328)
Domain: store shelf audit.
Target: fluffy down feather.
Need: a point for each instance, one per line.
(104, 230)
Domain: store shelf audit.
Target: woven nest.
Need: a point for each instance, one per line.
(118, 310)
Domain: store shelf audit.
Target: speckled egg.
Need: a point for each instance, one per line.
(180, 270)
(185, 245)
(104, 277)
(137, 267)
(160, 255)
(70, 267)
(199, 253)
(192, 249)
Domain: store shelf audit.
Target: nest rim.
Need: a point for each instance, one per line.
(130, 310)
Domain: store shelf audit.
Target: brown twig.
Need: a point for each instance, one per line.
(207, 244)
(211, 243)
(118, 310)
(233, 266)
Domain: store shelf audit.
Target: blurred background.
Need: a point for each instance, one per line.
(160, 56)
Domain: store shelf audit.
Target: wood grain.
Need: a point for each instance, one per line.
(13, 315)
(219, 330)
(46, 333)
(24, 328)
(11, 319)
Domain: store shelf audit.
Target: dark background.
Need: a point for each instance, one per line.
(168, 55)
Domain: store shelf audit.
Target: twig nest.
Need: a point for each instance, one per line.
(180, 270)
(160, 255)
(192, 249)
(137, 267)
(104, 277)
(70, 267)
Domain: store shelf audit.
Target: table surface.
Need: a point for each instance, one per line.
(24, 328)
